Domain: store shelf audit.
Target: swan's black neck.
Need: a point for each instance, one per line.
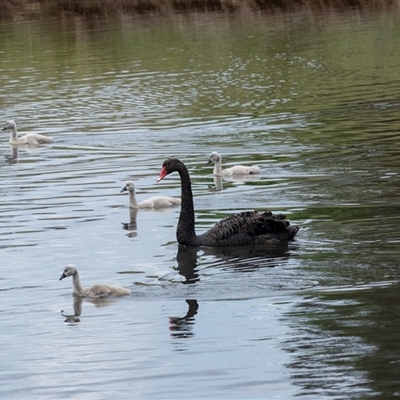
(185, 232)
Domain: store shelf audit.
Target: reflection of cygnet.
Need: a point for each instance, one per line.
(31, 138)
(96, 291)
(152, 202)
(235, 170)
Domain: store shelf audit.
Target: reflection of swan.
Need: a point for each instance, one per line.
(182, 326)
(237, 229)
(232, 180)
(16, 151)
(235, 258)
(235, 170)
(152, 202)
(219, 186)
(248, 258)
(132, 224)
(77, 305)
(13, 157)
(32, 139)
(187, 263)
(96, 291)
(239, 179)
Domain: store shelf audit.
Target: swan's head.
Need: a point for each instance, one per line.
(170, 165)
(128, 187)
(214, 157)
(10, 124)
(69, 270)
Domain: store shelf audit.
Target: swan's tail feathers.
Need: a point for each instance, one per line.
(263, 223)
(293, 231)
(276, 225)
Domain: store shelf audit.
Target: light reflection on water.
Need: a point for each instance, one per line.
(235, 323)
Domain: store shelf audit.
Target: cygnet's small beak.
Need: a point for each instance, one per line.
(4, 129)
(209, 161)
(124, 189)
(62, 276)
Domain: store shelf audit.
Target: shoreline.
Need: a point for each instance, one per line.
(36, 9)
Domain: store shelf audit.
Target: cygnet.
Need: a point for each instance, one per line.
(96, 291)
(32, 139)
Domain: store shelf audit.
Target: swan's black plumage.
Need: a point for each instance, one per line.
(243, 228)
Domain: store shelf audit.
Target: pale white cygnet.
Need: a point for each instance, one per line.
(32, 139)
(235, 170)
(96, 291)
(152, 202)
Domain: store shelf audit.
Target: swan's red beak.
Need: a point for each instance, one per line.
(163, 174)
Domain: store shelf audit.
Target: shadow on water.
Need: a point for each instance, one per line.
(26, 150)
(221, 183)
(77, 307)
(181, 327)
(131, 226)
(12, 158)
(236, 259)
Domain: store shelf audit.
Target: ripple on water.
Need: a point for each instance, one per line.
(322, 125)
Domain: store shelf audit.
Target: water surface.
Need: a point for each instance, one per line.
(312, 101)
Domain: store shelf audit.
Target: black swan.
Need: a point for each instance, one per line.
(243, 228)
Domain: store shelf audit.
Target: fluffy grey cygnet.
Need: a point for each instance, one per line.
(152, 202)
(32, 139)
(96, 291)
(235, 170)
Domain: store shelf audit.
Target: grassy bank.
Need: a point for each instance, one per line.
(17, 9)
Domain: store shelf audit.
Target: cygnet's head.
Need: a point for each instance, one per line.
(69, 270)
(214, 157)
(128, 187)
(10, 124)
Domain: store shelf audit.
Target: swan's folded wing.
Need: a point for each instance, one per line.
(242, 170)
(99, 291)
(244, 227)
(160, 202)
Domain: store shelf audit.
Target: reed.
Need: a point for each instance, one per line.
(35, 8)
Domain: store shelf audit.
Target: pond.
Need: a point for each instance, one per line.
(312, 99)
